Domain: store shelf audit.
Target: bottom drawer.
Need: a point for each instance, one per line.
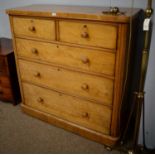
(90, 115)
(6, 94)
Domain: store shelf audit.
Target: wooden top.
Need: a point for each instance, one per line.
(76, 12)
(5, 46)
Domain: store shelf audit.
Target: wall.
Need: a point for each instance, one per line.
(150, 83)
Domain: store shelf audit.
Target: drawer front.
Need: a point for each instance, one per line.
(93, 116)
(87, 86)
(86, 59)
(36, 28)
(6, 94)
(90, 34)
(5, 81)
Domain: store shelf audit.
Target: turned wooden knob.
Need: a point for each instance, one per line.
(40, 100)
(85, 115)
(32, 29)
(85, 86)
(34, 51)
(85, 35)
(85, 60)
(37, 74)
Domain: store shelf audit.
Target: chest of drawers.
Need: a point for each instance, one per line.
(9, 87)
(71, 65)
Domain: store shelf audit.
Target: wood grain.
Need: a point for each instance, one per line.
(86, 114)
(119, 79)
(85, 59)
(74, 12)
(74, 57)
(100, 35)
(90, 134)
(39, 28)
(90, 87)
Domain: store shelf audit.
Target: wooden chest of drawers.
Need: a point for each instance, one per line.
(9, 87)
(71, 65)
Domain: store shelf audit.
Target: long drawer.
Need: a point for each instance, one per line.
(91, 34)
(36, 28)
(87, 86)
(87, 114)
(81, 58)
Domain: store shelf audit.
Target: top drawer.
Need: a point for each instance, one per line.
(91, 34)
(35, 28)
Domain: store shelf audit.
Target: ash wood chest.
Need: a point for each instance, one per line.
(71, 65)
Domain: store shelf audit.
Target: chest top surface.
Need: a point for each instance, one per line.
(5, 46)
(74, 12)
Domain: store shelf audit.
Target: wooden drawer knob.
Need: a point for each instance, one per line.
(85, 60)
(32, 29)
(40, 100)
(85, 35)
(85, 115)
(85, 86)
(85, 32)
(37, 75)
(34, 51)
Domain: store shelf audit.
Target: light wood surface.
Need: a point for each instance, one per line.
(74, 12)
(87, 114)
(91, 34)
(73, 57)
(36, 28)
(80, 130)
(85, 59)
(119, 85)
(83, 85)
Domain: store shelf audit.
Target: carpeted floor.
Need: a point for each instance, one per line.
(20, 133)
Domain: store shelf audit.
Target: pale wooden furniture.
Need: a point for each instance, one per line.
(71, 65)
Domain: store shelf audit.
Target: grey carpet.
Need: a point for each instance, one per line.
(20, 133)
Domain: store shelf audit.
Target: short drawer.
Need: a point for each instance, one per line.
(93, 116)
(85, 59)
(36, 28)
(5, 81)
(83, 85)
(91, 34)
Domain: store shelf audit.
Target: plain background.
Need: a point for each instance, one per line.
(150, 80)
